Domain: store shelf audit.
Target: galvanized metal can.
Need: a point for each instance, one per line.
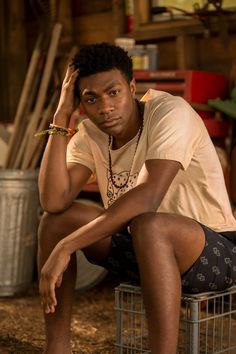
(19, 207)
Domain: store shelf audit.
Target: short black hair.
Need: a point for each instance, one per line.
(95, 58)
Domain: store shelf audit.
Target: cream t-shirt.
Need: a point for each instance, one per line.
(173, 131)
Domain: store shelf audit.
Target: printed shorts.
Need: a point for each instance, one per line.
(214, 270)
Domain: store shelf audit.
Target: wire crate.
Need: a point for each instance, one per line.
(207, 322)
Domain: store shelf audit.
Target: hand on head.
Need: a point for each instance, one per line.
(68, 101)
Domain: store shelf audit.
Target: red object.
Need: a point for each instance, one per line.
(217, 128)
(130, 23)
(194, 86)
(129, 12)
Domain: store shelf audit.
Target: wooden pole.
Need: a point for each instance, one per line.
(42, 91)
(22, 144)
(23, 99)
(39, 140)
(17, 154)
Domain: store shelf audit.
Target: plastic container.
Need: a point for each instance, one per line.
(139, 57)
(19, 206)
(152, 52)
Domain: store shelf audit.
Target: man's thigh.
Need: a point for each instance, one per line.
(215, 268)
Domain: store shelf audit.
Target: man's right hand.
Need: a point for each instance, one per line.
(67, 100)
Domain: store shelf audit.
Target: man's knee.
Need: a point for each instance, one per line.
(161, 228)
(147, 223)
(48, 226)
(53, 227)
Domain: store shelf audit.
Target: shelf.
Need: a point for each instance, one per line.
(175, 28)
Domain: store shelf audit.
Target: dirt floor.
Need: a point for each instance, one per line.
(93, 325)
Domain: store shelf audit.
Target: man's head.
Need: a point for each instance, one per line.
(100, 57)
(106, 89)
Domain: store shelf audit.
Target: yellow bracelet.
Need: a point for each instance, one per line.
(56, 130)
(59, 127)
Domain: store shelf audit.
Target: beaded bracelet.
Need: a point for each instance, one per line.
(58, 127)
(57, 130)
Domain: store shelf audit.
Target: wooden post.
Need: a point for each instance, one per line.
(62, 11)
(42, 90)
(186, 52)
(46, 118)
(118, 18)
(18, 121)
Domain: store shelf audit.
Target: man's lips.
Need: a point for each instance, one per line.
(110, 122)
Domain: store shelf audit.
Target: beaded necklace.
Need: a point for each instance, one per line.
(141, 110)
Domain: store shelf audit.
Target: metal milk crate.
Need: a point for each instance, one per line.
(207, 322)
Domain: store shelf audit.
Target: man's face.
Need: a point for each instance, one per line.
(108, 100)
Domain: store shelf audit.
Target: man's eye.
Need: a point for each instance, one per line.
(91, 100)
(114, 92)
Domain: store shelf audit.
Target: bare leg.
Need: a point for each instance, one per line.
(166, 246)
(53, 227)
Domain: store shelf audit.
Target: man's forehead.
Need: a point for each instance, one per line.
(93, 89)
(101, 81)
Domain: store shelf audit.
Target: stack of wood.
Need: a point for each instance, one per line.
(37, 103)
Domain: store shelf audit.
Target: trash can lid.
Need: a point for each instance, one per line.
(16, 174)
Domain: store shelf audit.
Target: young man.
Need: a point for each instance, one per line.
(166, 220)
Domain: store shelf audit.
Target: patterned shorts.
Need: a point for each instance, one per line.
(215, 269)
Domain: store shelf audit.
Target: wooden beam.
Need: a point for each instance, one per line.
(174, 28)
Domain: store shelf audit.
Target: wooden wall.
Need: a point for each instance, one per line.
(92, 21)
(98, 21)
(13, 56)
(215, 54)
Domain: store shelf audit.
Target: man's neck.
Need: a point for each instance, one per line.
(132, 130)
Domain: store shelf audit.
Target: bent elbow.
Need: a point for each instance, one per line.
(53, 210)
(53, 206)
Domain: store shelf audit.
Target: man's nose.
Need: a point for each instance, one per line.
(106, 106)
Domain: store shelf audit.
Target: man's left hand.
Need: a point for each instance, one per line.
(51, 277)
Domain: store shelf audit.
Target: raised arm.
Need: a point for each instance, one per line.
(59, 182)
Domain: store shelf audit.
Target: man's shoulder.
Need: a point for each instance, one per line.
(154, 97)
(158, 104)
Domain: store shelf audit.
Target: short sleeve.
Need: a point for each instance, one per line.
(79, 150)
(174, 132)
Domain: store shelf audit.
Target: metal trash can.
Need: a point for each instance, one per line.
(19, 205)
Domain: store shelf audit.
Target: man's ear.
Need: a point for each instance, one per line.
(133, 87)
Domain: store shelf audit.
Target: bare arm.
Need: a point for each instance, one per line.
(59, 182)
(153, 183)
